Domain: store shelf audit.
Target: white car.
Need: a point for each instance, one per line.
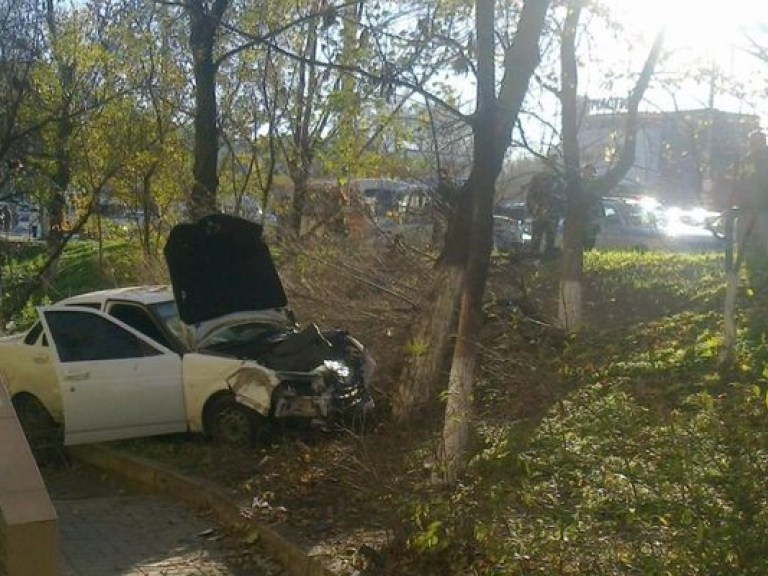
(144, 361)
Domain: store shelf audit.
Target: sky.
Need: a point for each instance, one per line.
(704, 35)
(706, 32)
(707, 25)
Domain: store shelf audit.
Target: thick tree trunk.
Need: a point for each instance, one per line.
(569, 301)
(570, 291)
(434, 333)
(493, 136)
(458, 409)
(432, 338)
(204, 24)
(56, 205)
(492, 129)
(486, 166)
(298, 204)
(570, 316)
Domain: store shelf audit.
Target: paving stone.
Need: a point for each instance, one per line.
(107, 530)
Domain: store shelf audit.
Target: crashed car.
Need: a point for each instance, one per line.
(219, 352)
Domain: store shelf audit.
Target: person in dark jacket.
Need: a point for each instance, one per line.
(545, 201)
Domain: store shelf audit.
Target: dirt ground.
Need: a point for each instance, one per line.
(340, 491)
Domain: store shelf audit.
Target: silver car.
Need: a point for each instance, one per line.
(644, 224)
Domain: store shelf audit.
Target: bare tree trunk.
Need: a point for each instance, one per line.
(492, 129)
(569, 301)
(470, 232)
(570, 313)
(204, 24)
(147, 209)
(732, 265)
(431, 340)
(458, 409)
(418, 382)
(482, 182)
(100, 239)
(304, 135)
(62, 174)
(300, 179)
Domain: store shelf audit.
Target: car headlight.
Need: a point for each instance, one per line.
(339, 367)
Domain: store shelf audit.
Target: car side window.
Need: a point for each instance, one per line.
(138, 318)
(611, 216)
(80, 337)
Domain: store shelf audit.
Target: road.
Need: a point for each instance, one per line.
(110, 529)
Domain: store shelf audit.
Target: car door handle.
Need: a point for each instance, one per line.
(40, 359)
(77, 377)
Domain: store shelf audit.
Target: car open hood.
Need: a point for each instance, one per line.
(220, 265)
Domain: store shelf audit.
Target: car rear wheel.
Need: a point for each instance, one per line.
(43, 434)
(232, 424)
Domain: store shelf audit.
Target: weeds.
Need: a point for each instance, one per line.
(647, 462)
(620, 451)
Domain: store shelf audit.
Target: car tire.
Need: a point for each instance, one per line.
(232, 424)
(43, 435)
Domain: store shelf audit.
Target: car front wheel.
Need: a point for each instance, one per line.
(234, 425)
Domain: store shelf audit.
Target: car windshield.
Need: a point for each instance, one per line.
(629, 213)
(242, 333)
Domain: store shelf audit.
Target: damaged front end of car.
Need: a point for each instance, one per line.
(227, 288)
(324, 375)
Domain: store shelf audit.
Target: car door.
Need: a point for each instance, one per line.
(115, 382)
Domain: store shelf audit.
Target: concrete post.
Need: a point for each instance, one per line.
(29, 544)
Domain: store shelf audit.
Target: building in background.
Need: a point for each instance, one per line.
(683, 157)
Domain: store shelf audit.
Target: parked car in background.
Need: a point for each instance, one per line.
(19, 220)
(511, 226)
(646, 224)
(630, 224)
(509, 233)
(692, 229)
(219, 352)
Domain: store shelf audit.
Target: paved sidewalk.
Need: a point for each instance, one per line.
(107, 530)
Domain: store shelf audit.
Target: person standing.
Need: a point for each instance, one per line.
(5, 219)
(545, 201)
(755, 174)
(752, 203)
(594, 206)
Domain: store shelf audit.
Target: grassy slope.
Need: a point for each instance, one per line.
(621, 451)
(648, 460)
(80, 269)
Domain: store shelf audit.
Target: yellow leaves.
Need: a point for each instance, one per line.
(416, 348)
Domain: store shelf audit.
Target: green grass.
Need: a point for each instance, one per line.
(633, 452)
(80, 269)
(648, 460)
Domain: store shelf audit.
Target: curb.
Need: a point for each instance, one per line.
(198, 492)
